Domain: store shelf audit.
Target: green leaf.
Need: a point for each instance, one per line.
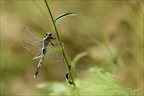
(63, 16)
(37, 56)
(77, 57)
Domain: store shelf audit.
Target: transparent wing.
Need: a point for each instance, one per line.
(32, 47)
(54, 54)
(32, 43)
(31, 37)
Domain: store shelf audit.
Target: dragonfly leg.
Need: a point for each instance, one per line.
(54, 44)
(54, 37)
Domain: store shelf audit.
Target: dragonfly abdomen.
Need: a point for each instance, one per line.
(39, 65)
(44, 49)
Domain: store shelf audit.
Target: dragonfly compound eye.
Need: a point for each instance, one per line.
(48, 34)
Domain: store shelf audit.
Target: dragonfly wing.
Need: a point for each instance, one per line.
(54, 54)
(33, 43)
(31, 47)
(31, 37)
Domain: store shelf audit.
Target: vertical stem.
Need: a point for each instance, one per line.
(66, 61)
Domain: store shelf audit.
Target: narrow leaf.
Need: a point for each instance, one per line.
(74, 61)
(37, 56)
(63, 16)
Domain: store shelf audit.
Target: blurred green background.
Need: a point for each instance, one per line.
(110, 31)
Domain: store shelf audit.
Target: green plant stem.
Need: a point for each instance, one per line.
(61, 46)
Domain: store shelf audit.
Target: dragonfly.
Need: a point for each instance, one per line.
(34, 44)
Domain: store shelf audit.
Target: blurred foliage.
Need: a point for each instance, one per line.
(109, 31)
(102, 82)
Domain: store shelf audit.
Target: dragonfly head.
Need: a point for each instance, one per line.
(48, 34)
